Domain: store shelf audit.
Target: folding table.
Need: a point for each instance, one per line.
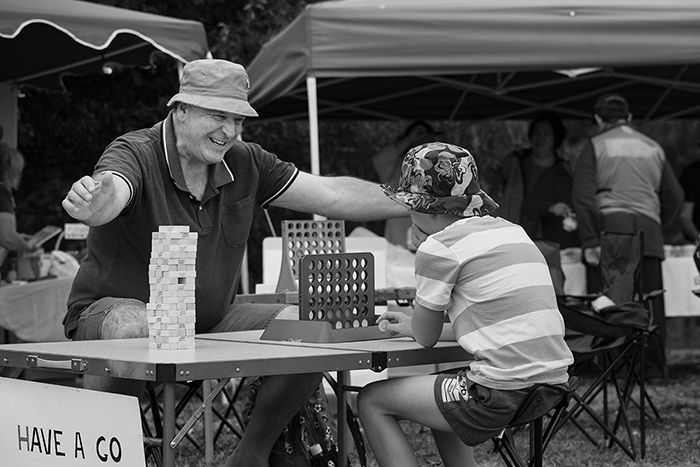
(222, 356)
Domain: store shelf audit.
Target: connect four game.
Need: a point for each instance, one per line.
(338, 289)
(307, 237)
(336, 301)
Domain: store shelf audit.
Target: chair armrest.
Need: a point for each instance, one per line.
(578, 299)
(652, 294)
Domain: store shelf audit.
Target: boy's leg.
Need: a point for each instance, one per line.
(278, 398)
(113, 318)
(453, 451)
(382, 404)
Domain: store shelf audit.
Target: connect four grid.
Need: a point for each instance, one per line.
(307, 237)
(338, 288)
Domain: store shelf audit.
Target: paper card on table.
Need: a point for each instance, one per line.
(50, 425)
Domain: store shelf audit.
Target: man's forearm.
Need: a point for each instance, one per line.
(359, 200)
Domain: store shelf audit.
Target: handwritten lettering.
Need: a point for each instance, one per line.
(46, 442)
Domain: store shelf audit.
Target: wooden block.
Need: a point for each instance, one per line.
(174, 228)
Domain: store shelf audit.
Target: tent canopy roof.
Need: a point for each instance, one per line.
(42, 39)
(451, 59)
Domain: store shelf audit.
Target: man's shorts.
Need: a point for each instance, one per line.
(474, 412)
(240, 317)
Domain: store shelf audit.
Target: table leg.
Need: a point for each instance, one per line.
(208, 424)
(342, 419)
(168, 423)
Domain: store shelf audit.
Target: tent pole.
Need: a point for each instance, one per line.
(313, 128)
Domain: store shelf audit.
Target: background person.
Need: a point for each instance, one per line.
(191, 169)
(11, 167)
(547, 208)
(490, 279)
(536, 183)
(624, 183)
(387, 165)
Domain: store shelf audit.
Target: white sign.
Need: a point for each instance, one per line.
(48, 425)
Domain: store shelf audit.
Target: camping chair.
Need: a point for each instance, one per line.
(612, 340)
(543, 401)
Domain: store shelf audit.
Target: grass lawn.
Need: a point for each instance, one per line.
(674, 440)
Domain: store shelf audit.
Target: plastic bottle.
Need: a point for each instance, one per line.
(316, 456)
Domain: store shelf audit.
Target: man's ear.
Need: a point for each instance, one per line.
(180, 109)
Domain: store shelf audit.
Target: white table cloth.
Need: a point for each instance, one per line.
(34, 311)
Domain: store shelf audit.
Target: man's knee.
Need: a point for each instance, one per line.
(125, 321)
(113, 318)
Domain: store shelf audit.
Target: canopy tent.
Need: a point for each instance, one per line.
(41, 40)
(455, 59)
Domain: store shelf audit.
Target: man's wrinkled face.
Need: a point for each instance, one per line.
(205, 134)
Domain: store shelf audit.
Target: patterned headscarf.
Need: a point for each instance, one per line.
(440, 178)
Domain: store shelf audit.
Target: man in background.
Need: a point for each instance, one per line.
(624, 183)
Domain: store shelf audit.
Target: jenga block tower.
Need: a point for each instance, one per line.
(171, 275)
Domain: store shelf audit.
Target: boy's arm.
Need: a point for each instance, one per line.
(401, 323)
(428, 325)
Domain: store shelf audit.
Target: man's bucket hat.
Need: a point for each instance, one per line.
(216, 85)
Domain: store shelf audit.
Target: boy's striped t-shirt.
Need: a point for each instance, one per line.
(495, 285)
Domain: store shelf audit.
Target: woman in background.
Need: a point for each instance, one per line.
(11, 167)
(536, 184)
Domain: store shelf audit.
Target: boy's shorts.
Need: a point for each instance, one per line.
(240, 317)
(474, 412)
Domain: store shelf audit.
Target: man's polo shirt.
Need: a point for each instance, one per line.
(119, 251)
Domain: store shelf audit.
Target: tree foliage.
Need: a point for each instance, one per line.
(62, 134)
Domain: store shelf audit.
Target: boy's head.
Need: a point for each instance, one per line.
(440, 178)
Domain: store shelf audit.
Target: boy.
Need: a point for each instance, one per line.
(493, 283)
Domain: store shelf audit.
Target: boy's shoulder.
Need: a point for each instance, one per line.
(480, 234)
(476, 224)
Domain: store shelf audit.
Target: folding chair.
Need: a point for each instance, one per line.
(612, 340)
(543, 401)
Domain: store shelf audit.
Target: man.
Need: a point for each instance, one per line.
(624, 183)
(192, 169)
(387, 165)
